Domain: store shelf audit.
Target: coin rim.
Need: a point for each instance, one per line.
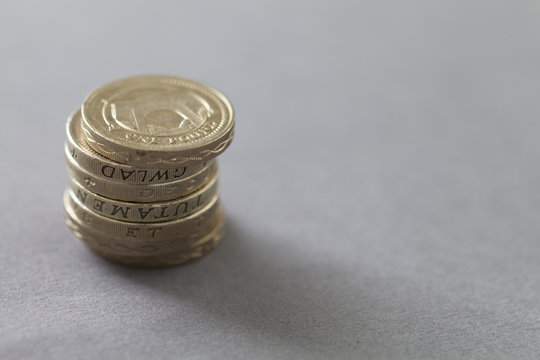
(161, 248)
(110, 227)
(181, 151)
(124, 191)
(207, 192)
(93, 161)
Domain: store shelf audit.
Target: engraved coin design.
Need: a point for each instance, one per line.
(173, 252)
(163, 231)
(143, 175)
(102, 167)
(157, 120)
(140, 193)
(146, 212)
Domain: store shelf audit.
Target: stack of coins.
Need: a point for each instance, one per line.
(141, 158)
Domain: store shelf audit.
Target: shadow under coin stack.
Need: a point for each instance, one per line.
(143, 174)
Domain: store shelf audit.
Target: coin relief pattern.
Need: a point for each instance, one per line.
(143, 187)
(145, 212)
(145, 231)
(153, 119)
(101, 166)
(193, 245)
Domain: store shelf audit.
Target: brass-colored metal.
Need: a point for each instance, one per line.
(143, 184)
(102, 167)
(146, 212)
(141, 232)
(150, 121)
(150, 254)
(140, 193)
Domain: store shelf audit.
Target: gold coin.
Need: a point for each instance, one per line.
(175, 251)
(139, 193)
(141, 232)
(156, 120)
(146, 212)
(100, 166)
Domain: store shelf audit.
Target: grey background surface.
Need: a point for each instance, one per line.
(382, 190)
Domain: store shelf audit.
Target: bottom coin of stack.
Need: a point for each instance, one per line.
(154, 213)
(146, 244)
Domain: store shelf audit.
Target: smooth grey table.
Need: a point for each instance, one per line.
(382, 191)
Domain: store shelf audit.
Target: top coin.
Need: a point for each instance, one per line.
(157, 120)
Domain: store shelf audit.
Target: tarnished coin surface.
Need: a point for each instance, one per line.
(141, 232)
(100, 166)
(157, 120)
(146, 212)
